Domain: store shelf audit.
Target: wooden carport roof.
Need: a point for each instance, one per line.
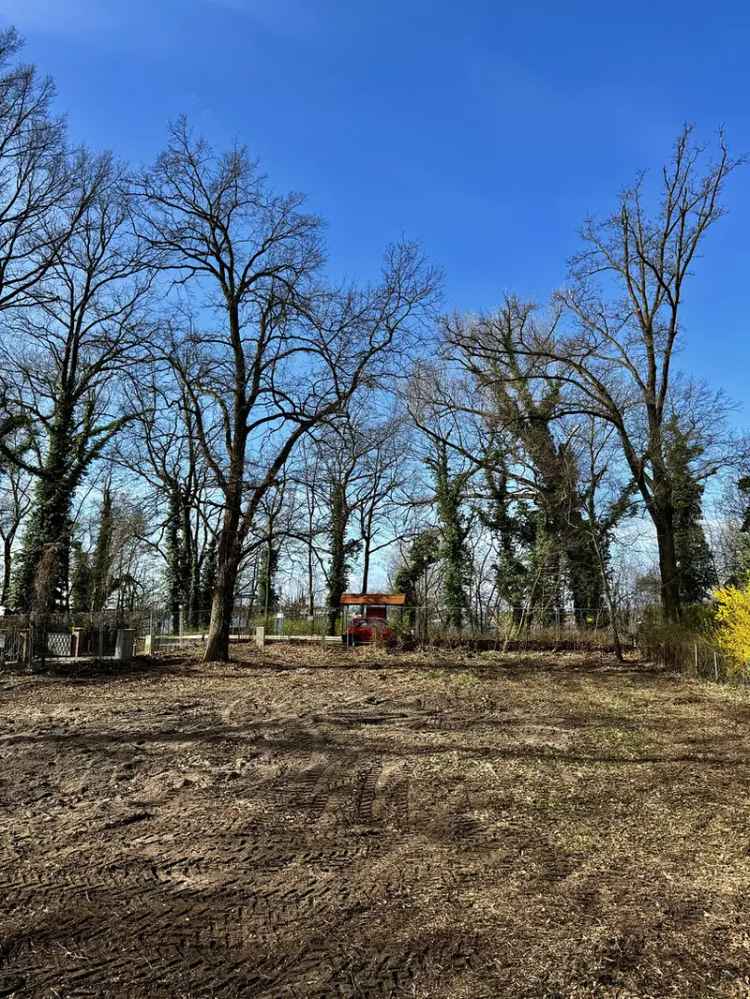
(374, 599)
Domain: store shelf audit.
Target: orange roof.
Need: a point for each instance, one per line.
(374, 599)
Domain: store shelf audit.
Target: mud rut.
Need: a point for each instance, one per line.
(223, 854)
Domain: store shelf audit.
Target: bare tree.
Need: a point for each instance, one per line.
(444, 452)
(382, 472)
(607, 501)
(342, 448)
(162, 450)
(519, 406)
(313, 514)
(86, 328)
(729, 527)
(42, 197)
(625, 301)
(285, 353)
(621, 356)
(351, 472)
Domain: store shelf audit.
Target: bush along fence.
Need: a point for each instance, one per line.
(711, 640)
(687, 652)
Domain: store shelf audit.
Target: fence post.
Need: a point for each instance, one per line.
(124, 645)
(260, 636)
(716, 667)
(30, 645)
(695, 648)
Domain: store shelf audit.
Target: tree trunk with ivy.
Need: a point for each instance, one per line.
(339, 567)
(454, 530)
(102, 567)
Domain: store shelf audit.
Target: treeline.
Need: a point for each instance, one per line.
(191, 409)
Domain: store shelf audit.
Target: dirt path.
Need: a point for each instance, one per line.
(328, 823)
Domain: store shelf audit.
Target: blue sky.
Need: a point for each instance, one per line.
(488, 131)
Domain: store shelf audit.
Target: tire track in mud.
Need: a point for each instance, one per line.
(260, 880)
(154, 913)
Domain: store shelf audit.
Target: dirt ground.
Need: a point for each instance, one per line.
(333, 823)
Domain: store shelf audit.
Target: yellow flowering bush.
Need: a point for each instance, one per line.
(733, 617)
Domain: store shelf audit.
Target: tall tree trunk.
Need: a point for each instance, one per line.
(339, 570)
(670, 584)
(188, 568)
(583, 572)
(253, 594)
(49, 523)
(228, 556)
(367, 540)
(174, 560)
(195, 592)
(217, 642)
(310, 579)
(607, 589)
(267, 580)
(222, 607)
(366, 564)
(7, 567)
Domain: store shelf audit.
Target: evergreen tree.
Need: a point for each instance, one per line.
(740, 569)
(102, 558)
(744, 487)
(82, 581)
(268, 598)
(174, 558)
(48, 529)
(424, 552)
(514, 532)
(208, 580)
(454, 530)
(695, 563)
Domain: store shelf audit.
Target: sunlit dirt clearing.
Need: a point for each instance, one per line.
(318, 823)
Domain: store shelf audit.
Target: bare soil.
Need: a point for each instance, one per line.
(334, 823)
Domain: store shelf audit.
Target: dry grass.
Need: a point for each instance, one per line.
(358, 823)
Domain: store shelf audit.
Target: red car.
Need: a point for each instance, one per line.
(367, 630)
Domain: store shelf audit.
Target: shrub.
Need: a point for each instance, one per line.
(733, 615)
(689, 645)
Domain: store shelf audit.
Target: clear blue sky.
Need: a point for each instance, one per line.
(486, 130)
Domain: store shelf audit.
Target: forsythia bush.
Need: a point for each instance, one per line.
(733, 616)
